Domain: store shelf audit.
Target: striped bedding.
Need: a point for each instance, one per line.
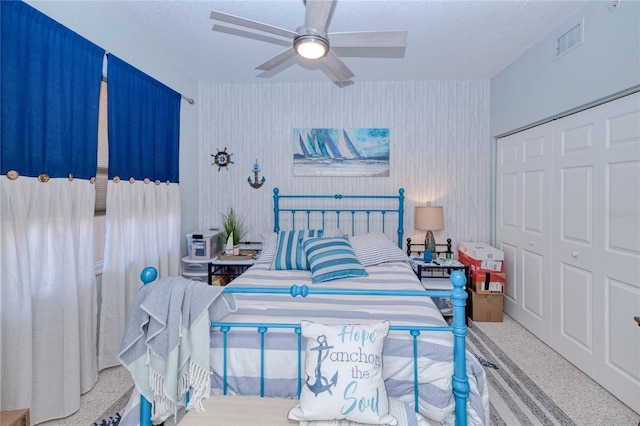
(435, 348)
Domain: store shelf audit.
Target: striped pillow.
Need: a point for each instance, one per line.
(376, 248)
(289, 252)
(331, 259)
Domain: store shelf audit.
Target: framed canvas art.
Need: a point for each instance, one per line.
(341, 152)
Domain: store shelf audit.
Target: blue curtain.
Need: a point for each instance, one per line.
(144, 125)
(50, 91)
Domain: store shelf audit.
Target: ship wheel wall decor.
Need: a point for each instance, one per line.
(222, 158)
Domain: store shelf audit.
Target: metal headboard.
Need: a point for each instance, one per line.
(334, 209)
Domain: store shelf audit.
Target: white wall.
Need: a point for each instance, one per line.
(439, 150)
(535, 87)
(101, 29)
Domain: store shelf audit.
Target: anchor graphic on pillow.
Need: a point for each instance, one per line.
(322, 384)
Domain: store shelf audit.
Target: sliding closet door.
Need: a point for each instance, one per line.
(621, 282)
(524, 226)
(578, 207)
(597, 244)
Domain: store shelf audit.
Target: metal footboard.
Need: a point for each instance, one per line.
(460, 380)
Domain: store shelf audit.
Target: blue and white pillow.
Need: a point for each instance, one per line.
(334, 392)
(331, 259)
(289, 253)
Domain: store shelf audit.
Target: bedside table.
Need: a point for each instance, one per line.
(436, 276)
(222, 271)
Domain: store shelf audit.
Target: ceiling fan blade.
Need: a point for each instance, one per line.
(277, 60)
(244, 22)
(334, 66)
(368, 39)
(317, 14)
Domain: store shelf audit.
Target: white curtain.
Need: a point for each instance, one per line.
(143, 229)
(48, 304)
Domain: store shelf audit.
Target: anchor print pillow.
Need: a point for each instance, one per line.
(343, 374)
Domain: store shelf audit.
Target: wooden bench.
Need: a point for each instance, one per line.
(15, 417)
(241, 411)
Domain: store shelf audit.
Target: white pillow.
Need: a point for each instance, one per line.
(399, 409)
(269, 245)
(333, 232)
(375, 248)
(343, 368)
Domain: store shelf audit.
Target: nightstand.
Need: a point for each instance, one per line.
(222, 271)
(435, 275)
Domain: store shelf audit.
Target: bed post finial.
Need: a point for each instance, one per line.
(276, 210)
(148, 275)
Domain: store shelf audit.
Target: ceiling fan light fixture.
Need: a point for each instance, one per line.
(311, 46)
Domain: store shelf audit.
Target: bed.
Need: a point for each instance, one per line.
(275, 344)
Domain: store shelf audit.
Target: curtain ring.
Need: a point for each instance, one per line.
(70, 176)
(43, 177)
(146, 180)
(116, 179)
(131, 179)
(93, 179)
(157, 182)
(13, 174)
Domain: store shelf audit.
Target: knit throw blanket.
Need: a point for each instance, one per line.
(165, 344)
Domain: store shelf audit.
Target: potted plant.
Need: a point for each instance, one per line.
(234, 227)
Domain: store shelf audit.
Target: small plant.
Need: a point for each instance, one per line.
(231, 223)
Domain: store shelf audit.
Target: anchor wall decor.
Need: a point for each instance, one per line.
(256, 183)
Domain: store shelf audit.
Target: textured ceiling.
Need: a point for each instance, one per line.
(454, 40)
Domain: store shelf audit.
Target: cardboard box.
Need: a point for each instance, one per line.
(203, 245)
(481, 257)
(480, 251)
(15, 418)
(486, 307)
(488, 282)
(480, 265)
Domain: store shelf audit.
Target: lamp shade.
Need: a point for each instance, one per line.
(429, 218)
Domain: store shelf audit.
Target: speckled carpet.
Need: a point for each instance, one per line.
(514, 399)
(111, 417)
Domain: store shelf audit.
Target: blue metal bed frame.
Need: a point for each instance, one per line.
(460, 380)
(277, 210)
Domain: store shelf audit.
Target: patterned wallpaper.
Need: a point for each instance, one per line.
(439, 147)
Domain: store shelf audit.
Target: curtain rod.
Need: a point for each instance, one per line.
(190, 100)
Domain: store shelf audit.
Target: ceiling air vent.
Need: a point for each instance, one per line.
(569, 40)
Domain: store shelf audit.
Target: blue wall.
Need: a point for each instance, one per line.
(535, 87)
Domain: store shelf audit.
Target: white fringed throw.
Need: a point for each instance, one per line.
(166, 342)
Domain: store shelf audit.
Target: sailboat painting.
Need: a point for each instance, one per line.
(341, 152)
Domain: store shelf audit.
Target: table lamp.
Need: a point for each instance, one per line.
(429, 218)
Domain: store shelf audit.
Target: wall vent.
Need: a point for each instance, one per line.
(569, 40)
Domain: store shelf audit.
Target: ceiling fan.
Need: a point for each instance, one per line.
(313, 42)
